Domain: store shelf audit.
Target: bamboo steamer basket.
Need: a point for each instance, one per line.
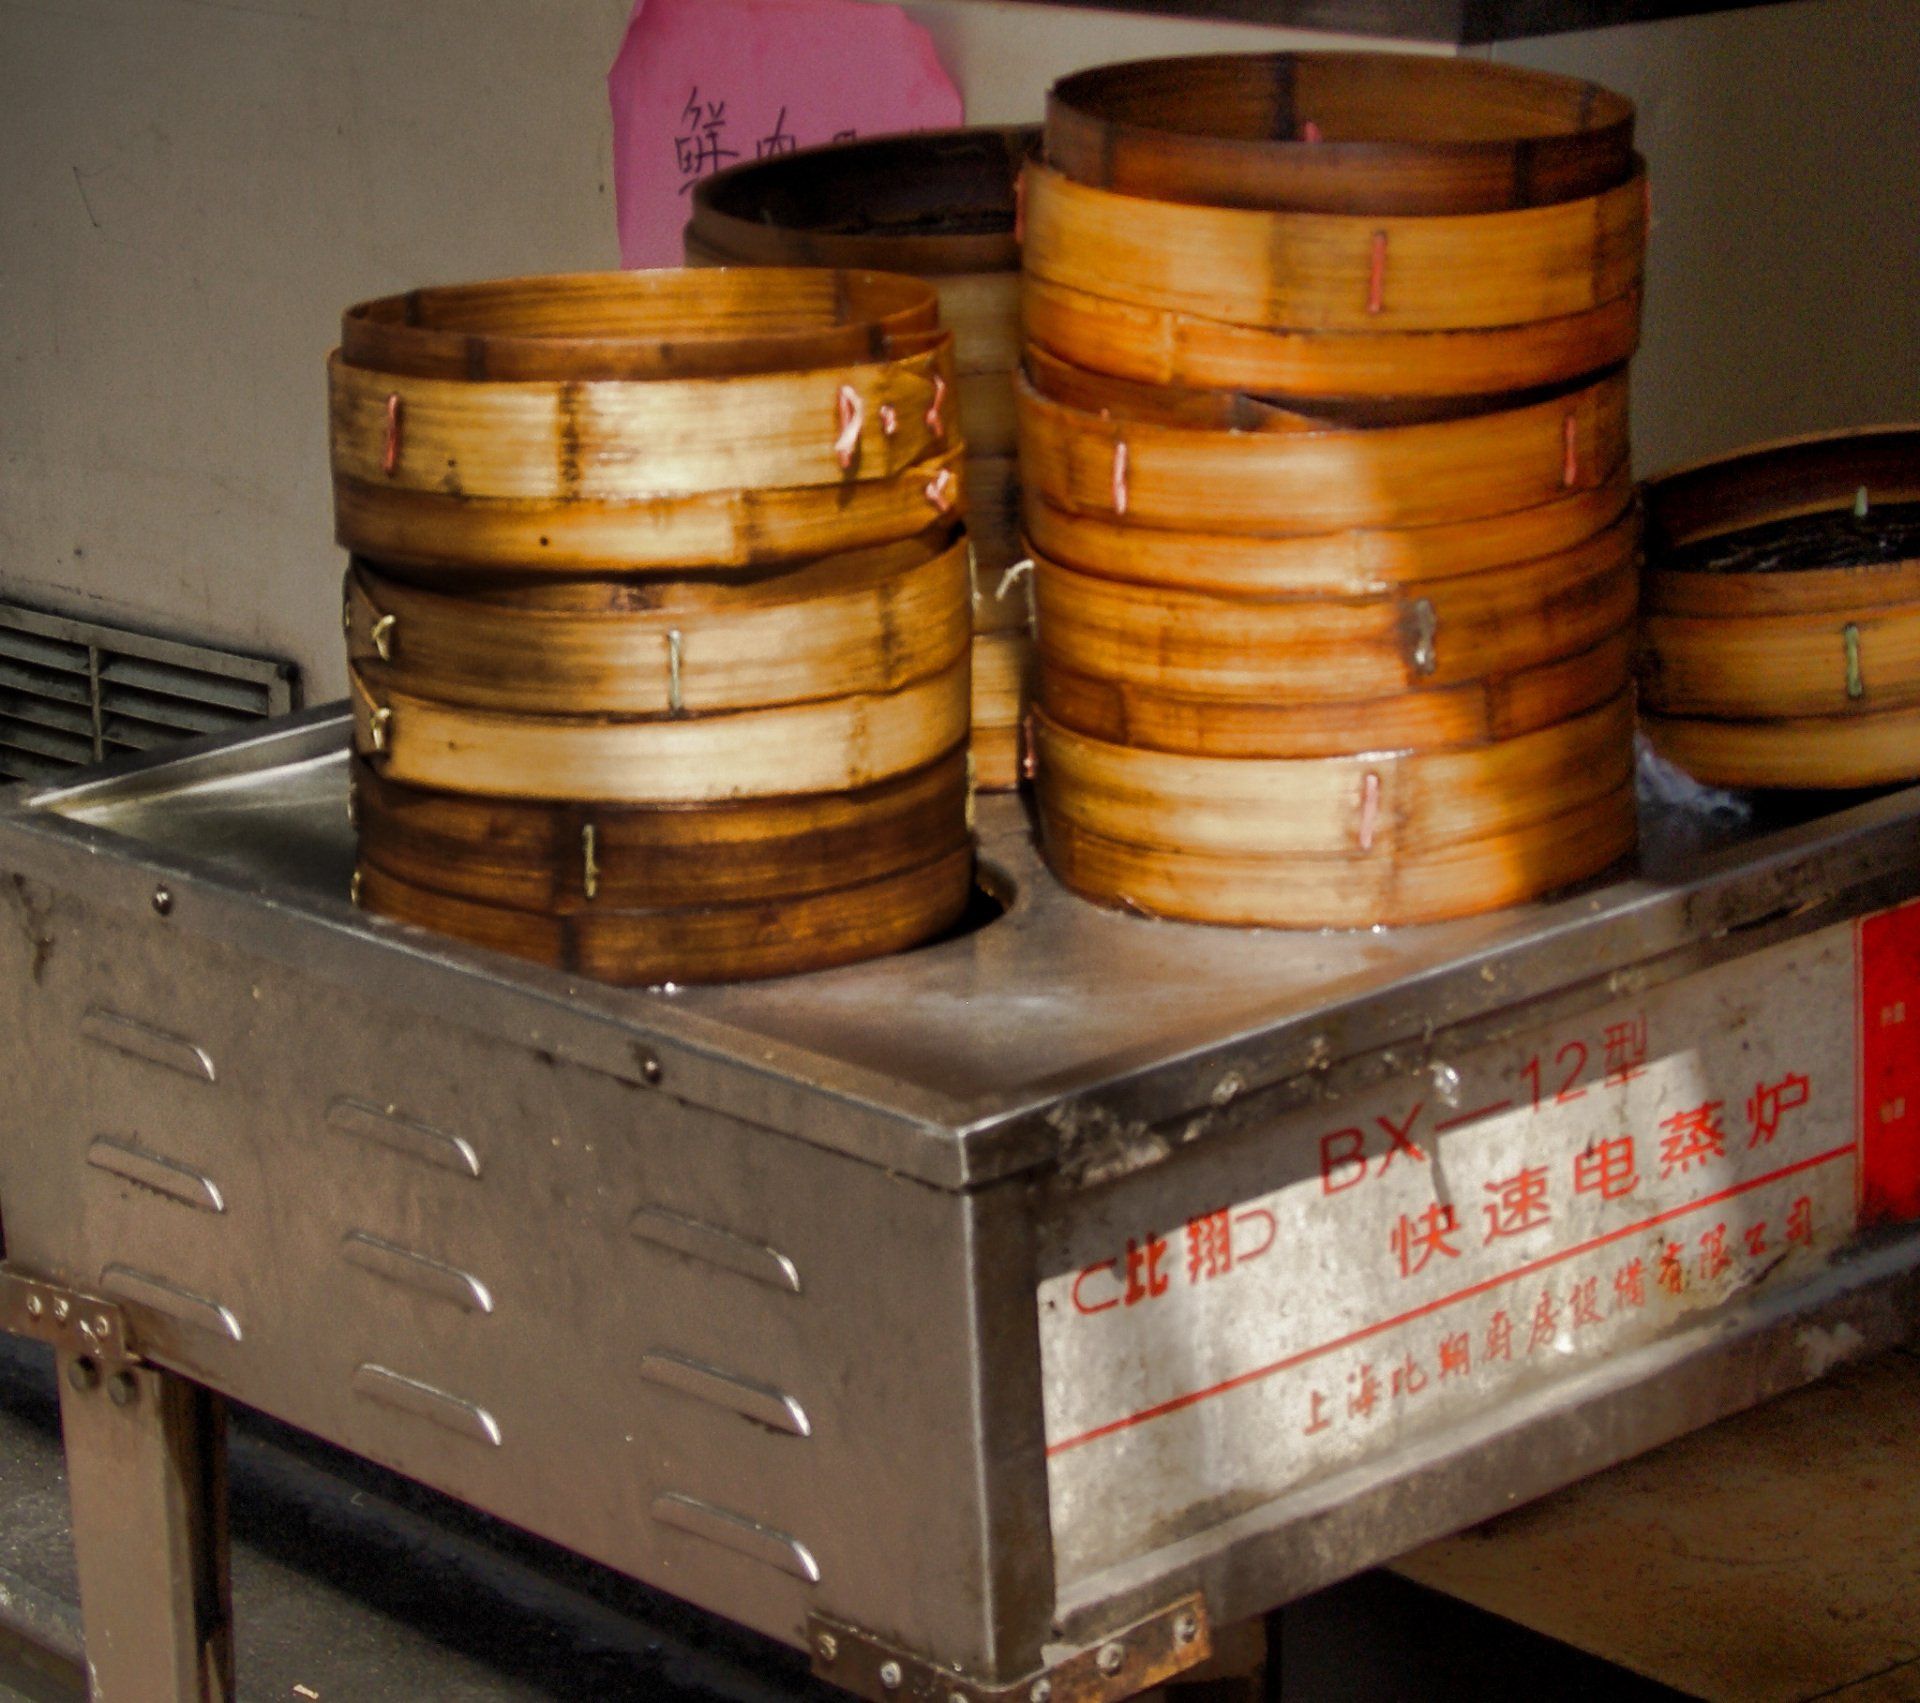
(1781, 646)
(810, 931)
(867, 622)
(940, 205)
(1294, 651)
(689, 455)
(658, 620)
(1339, 132)
(528, 855)
(1302, 483)
(1380, 837)
(1002, 687)
(1333, 305)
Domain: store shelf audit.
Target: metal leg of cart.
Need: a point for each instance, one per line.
(146, 1474)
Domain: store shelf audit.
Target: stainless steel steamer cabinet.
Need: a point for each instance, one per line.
(994, 1320)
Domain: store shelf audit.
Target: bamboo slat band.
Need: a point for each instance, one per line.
(868, 625)
(639, 325)
(1507, 868)
(1328, 272)
(1844, 592)
(1439, 718)
(1156, 346)
(1357, 562)
(1361, 132)
(1309, 482)
(1376, 804)
(760, 753)
(717, 943)
(531, 856)
(433, 533)
(1002, 676)
(1830, 751)
(930, 203)
(1298, 650)
(622, 439)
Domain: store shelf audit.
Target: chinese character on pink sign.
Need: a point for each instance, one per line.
(700, 84)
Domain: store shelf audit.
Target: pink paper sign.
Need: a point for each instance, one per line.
(701, 84)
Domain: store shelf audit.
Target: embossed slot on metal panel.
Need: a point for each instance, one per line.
(143, 1289)
(715, 1246)
(142, 1041)
(135, 1164)
(420, 1272)
(761, 1403)
(738, 1533)
(408, 1395)
(402, 1135)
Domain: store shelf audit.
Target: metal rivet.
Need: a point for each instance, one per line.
(162, 900)
(650, 1072)
(353, 888)
(1041, 1691)
(382, 636)
(83, 1375)
(890, 1675)
(1186, 1629)
(1111, 1659)
(102, 1325)
(35, 1306)
(62, 1310)
(122, 1388)
(380, 726)
(826, 1647)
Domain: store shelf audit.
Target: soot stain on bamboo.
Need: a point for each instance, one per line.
(569, 438)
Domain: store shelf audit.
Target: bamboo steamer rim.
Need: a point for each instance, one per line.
(669, 323)
(739, 942)
(1525, 863)
(1353, 561)
(1213, 408)
(1429, 718)
(870, 623)
(1390, 133)
(823, 745)
(1361, 807)
(615, 439)
(565, 856)
(1783, 666)
(1183, 479)
(430, 536)
(1809, 753)
(1162, 346)
(868, 203)
(1815, 473)
(1329, 272)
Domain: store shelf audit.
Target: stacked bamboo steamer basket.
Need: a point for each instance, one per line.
(1781, 641)
(657, 617)
(939, 205)
(1323, 445)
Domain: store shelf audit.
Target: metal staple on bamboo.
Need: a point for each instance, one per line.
(1323, 447)
(658, 617)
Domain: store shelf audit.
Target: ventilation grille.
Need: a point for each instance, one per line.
(75, 692)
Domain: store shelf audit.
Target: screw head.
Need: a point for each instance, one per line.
(890, 1675)
(1186, 1629)
(102, 1325)
(122, 1388)
(650, 1072)
(35, 1306)
(1110, 1660)
(162, 900)
(826, 1647)
(1041, 1691)
(83, 1375)
(62, 1310)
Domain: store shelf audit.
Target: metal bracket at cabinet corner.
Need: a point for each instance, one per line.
(67, 1319)
(1145, 1654)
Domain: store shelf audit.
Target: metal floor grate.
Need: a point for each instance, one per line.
(76, 692)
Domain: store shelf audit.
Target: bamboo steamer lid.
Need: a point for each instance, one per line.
(1339, 132)
(1781, 646)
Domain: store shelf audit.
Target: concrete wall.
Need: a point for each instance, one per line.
(191, 192)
